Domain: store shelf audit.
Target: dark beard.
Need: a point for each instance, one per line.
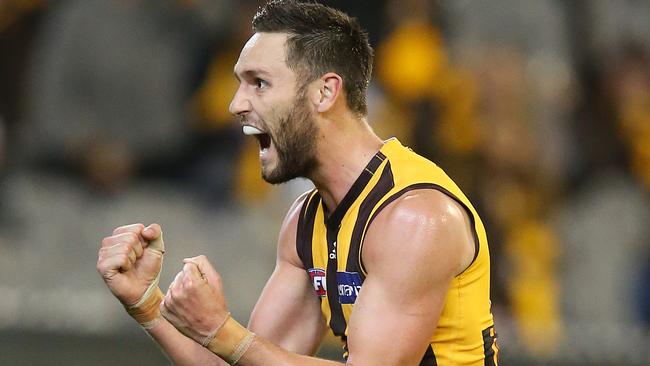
(295, 143)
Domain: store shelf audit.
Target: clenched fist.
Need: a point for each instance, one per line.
(194, 302)
(130, 261)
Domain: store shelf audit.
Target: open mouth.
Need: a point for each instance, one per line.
(262, 137)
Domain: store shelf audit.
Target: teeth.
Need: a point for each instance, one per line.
(250, 130)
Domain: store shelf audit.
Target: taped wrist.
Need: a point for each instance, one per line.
(231, 341)
(146, 311)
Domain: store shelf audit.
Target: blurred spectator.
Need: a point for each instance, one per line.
(19, 20)
(2, 144)
(431, 102)
(627, 87)
(604, 227)
(109, 86)
(3, 209)
(370, 17)
(3, 148)
(628, 82)
(644, 293)
(612, 22)
(11, 11)
(604, 220)
(518, 53)
(518, 194)
(224, 163)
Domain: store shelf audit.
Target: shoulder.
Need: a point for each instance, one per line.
(288, 231)
(423, 225)
(423, 201)
(290, 222)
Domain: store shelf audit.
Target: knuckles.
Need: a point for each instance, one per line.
(181, 289)
(107, 241)
(139, 227)
(131, 238)
(200, 260)
(102, 252)
(174, 297)
(123, 259)
(188, 284)
(126, 247)
(186, 281)
(169, 301)
(101, 266)
(204, 261)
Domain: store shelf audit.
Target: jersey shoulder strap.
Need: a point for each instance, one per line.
(306, 228)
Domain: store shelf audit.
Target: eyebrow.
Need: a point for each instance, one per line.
(252, 73)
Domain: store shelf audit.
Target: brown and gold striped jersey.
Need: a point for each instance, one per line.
(330, 247)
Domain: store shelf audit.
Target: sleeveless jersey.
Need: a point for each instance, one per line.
(330, 248)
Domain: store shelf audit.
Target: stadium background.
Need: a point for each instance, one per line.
(115, 111)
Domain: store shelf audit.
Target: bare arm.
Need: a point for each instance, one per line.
(181, 350)
(408, 279)
(288, 313)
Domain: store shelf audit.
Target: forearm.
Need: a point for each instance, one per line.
(263, 352)
(238, 345)
(181, 350)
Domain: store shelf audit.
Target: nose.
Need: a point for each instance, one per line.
(240, 104)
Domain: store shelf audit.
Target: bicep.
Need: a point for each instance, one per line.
(396, 315)
(398, 308)
(391, 327)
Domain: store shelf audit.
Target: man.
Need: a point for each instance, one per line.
(386, 251)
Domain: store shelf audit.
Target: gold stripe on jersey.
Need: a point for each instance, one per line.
(330, 247)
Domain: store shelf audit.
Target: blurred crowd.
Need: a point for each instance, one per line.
(540, 110)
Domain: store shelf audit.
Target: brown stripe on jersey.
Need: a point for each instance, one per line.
(423, 186)
(334, 219)
(306, 229)
(383, 186)
(429, 358)
(337, 321)
(333, 224)
(490, 349)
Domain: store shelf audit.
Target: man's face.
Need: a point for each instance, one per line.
(273, 106)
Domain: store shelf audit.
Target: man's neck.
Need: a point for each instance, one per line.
(345, 149)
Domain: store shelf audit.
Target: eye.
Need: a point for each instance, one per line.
(261, 83)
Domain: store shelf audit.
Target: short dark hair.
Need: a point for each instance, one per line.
(321, 40)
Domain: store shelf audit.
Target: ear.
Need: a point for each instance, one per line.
(330, 90)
